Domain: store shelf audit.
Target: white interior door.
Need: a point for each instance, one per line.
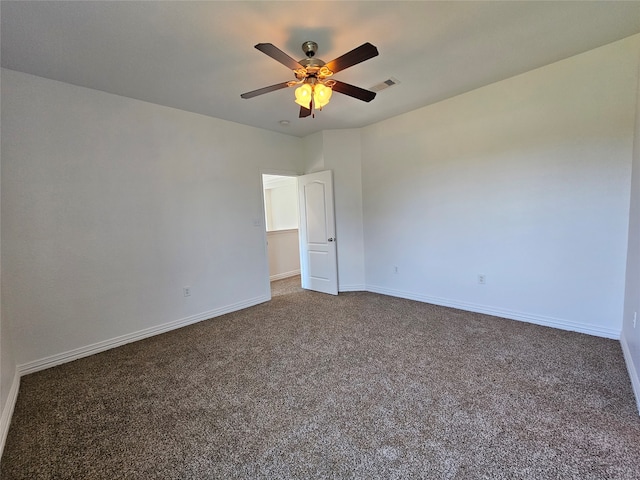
(318, 258)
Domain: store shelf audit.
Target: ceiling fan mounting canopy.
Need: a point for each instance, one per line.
(309, 48)
(314, 73)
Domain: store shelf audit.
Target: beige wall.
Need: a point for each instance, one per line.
(111, 206)
(631, 332)
(284, 253)
(525, 181)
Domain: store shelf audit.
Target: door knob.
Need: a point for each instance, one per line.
(331, 239)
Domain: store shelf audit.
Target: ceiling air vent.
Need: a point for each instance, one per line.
(390, 82)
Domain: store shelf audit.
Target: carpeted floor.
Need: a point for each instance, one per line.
(314, 386)
(286, 286)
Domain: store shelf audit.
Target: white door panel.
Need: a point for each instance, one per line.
(318, 259)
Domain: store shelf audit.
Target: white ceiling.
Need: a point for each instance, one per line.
(199, 56)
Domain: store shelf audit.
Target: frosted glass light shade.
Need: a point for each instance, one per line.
(303, 95)
(321, 95)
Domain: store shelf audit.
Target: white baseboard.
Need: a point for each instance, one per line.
(81, 352)
(498, 312)
(280, 276)
(7, 411)
(631, 368)
(352, 288)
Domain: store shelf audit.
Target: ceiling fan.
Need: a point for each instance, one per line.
(313, 75)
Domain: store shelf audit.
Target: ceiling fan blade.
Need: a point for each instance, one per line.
(277, 54)
(304, 112)
(260, 91)
(355, 56)
(353, 91)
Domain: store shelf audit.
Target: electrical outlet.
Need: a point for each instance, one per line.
(186, 291)
(482, 279)
(395, 269)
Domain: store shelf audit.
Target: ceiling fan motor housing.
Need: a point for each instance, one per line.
(313, 66)
(309, 48)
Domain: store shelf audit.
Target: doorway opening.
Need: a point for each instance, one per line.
(282, 228)
(300, 230)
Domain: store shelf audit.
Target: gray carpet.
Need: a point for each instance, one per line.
(314, 386)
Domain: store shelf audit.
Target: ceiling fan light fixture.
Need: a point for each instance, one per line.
(314, 88)
(303, 95)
